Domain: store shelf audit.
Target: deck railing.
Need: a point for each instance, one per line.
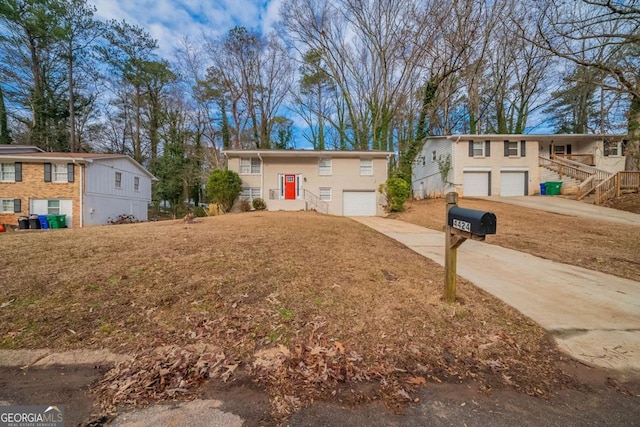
(629, 181)
(606, 190)
(586, 159)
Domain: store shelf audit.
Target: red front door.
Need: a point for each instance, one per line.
(289, 187)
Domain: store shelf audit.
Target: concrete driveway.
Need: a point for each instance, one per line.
(564, 206)
(594, 317)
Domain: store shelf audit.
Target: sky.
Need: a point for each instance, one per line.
(170, 21)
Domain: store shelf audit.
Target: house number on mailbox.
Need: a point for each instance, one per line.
(462, 225)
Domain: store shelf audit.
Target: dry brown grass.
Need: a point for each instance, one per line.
(324, 287)
(610, 248)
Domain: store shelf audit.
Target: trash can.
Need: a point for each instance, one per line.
(53, 221)
(34, 222)
(23, 223)
(553, 187)
(543, 188)
(44, 224)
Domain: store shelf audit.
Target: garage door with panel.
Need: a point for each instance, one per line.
(476, 183)
(359, 203)
(513, 183)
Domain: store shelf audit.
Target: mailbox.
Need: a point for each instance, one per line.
(472, 221)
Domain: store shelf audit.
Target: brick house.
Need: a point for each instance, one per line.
(88, 188)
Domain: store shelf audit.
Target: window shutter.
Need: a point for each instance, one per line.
(17, 205)
(70, 170)
(47, 172)
(470, 148)
(487, 148)
(523, 148)
(506, 148)
(568, 149)
(18, 171)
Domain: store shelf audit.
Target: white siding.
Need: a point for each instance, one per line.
(426, 179)
(103, 200)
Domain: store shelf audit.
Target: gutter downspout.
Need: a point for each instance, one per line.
(81, 193)
(261, 177)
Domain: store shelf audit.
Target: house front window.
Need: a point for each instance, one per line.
(250, 193)
(250, 166)
(59, 172)
(325, 194)
(118, 179)
(7, 172)
(6, 205)
(513, 149)
(478, 149)
(433, 156)
(136, 183)
(324, 166)
(366, 167)
(53, 207)
(612, 148)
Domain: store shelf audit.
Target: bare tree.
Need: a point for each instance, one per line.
(603, 35)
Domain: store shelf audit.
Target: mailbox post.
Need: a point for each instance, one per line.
(461, 224)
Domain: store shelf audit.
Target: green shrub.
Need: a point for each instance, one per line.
(224, 187)
(244, 205)
(397, 192)
(259, 204)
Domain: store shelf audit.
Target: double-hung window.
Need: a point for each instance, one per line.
(249, 193)
(366, 166)
(478, 149)
(250, 165)
(118, 179)
(59, 172)
(324, 166)
(7, 172)
(6, 205)
(136, 183)
(513, 149)
(325, 194)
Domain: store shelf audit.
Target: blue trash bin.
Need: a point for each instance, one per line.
(44, 223)
(543, 189)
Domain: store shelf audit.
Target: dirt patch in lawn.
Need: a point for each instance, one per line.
(610, 248)
(626, 202)
(306, 306)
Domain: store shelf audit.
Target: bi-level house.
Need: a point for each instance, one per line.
(88, 188)
(512, 165)
(333, 182)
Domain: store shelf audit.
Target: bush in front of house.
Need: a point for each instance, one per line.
(244, 205)
(397, 192)
(224, 187)
(259, 204)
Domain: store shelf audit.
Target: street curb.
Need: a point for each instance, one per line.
(42, 358)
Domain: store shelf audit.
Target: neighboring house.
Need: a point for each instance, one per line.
(87, 188)
(334, 182)
(505, 165)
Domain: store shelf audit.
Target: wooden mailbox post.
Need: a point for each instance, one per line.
(461, 224)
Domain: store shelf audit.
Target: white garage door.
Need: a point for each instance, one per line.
(58, 206)
(359, 203)
(476, 184)
(513, 183)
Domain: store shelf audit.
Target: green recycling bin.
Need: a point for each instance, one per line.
(553, 187)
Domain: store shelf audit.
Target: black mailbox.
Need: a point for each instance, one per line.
(472, 221)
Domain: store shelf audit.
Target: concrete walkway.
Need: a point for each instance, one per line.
(594, 317)
(564, 206)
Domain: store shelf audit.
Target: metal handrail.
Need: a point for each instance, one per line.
(317, 203)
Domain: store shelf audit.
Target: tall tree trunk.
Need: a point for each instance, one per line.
(5, 137)
(632, 159)
(72, 115)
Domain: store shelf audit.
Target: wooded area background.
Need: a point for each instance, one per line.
(341, 74)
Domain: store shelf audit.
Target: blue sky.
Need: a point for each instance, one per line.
(169, 21)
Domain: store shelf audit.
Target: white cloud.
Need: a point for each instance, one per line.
(170, 21)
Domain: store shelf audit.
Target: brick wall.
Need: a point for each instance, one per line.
(34, 187)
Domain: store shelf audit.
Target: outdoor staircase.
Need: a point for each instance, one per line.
(314, 203)
(586, 183)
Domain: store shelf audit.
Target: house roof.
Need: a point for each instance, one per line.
(307, 153)
(71, 157)
(565, 137)
(16, 148)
